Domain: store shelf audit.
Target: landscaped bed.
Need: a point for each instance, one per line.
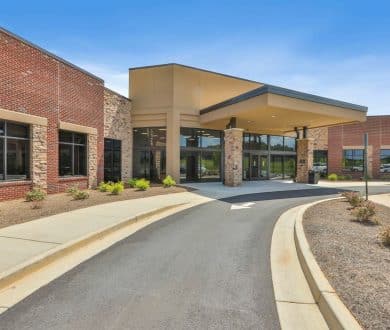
(353, 259)
(18, 211)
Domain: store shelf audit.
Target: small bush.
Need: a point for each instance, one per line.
(169, 182)
(131, 182)
(104, 186)
(142, 184)
(384, 236)
(365, 212)
(348, 177)
(80, 194)
(332, 177)
(116, 188)
(72, 189)
(340, 178)
(35, 195)
(353, 198)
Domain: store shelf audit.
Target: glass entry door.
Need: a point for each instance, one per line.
(255, 167)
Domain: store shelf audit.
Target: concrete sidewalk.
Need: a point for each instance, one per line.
(22, 243)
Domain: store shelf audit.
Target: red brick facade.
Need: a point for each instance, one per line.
(343, 137)
(34, 82)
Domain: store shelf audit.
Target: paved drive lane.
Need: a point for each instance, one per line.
(204, 268)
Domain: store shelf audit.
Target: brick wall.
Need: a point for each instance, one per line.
(33, 82)
(343, 137)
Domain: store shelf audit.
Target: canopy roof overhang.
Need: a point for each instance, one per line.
(276, 110)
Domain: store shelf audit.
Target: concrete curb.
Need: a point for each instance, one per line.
(16, 273)
(335, 313)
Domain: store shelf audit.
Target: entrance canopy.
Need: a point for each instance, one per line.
(275, 110)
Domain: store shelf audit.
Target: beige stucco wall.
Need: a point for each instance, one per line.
(117, 125)
(172, 95)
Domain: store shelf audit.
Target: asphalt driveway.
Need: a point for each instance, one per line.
(204, 268)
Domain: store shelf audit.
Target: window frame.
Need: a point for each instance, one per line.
(73, 144)
(354, 159)
(5, 137)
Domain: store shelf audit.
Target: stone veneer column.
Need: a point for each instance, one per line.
(92, 160)
(304, 159)
(233, 156)
(39, 156)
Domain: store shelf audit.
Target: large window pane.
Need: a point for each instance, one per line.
(157, 137)
(65, 159)
(141, 164)
(190, 165)
(211, 139)
(72, 153)
(2, 159)
(211, 165)
(353, 160)
(385, 162)
(289, 166)
(276, 143)
(320, 161)
(80, 162)
(140, 137)
(289, 143)
(189, 138)
(17, 130)
(276, 166)
(17, 159)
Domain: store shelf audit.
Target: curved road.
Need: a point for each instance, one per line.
(204, 268)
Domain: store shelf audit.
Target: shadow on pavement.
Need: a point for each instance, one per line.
(274, 195)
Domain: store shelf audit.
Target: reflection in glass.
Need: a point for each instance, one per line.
(353, 160)
(289, 167)
(276, 143)
(17, 159)
(210, 168)
(289, 143)
(276, 167)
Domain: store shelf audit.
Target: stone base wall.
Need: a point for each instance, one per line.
(39, 156)
(233, 156)
(304, 159)
(117, 125)
(92, 160)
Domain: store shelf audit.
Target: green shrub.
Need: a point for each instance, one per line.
(384, 236)
(169, 182)
(340, 178)
(35, 195)
(72, 189)
(131, 182)
(348, 177)
(332, 177)
(104, 186)
(365, 212)
(116, 188)
(80, 194)
(142, 184)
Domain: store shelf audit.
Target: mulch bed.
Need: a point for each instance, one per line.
(18, 211)
(353, 260)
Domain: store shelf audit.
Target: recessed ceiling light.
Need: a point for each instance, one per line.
(273, 116)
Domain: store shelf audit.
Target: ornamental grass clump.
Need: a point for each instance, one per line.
(104, 186)
(142, 184)
(365, 213)
(353, 198)
(80, 194)
(169, 182)
(131, 182)
(384, 236)
(36, 196)
(116, 188)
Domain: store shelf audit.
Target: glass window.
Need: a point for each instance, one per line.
(384, 162)
(255, 142)
(353, 160)
(276, 143)
(72, 153)
(210, 168)
(211, 139)
(289, 143)
(320, 161)
(140, 137)
(276, 167)
(14, 151)
(157, 137)
(289, 166)
(189, 138)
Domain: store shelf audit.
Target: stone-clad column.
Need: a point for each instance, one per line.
(304, 159)
(233, 156)
(39, 156)
(92, 160)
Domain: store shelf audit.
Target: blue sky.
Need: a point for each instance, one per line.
(338, 49)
